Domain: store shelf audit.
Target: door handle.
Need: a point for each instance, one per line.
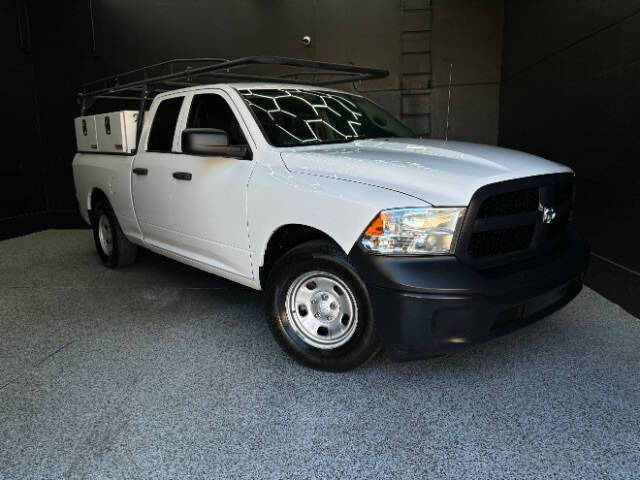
(182, 175)
(140, 171)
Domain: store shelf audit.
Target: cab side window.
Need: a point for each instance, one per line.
(164, 125)
(209, 110)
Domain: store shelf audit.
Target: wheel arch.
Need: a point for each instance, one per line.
(283, 239)
(96, 195)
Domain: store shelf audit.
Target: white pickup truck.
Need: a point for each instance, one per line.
(362, 235)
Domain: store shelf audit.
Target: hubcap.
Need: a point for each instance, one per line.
(105, 235)
(322, 309)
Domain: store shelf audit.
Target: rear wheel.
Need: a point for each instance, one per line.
(114, 248)
(319, 308)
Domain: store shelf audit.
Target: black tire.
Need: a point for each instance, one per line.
(320, 256)
(122, 252)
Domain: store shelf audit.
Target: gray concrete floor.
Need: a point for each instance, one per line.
(160, 370)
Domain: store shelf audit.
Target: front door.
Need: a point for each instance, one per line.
(210, 199)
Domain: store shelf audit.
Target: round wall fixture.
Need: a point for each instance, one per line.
(306, 40)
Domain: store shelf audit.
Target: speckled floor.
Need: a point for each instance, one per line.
(161, 371)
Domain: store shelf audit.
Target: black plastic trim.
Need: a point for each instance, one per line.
(473, 224)
(121, 154)
(432, 305)
(182, 176)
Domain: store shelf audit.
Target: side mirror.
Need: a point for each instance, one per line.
(211, 142)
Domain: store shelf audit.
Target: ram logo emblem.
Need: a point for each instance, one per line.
(548, 214)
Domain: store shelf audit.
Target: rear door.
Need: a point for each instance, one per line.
(151, 178)
(210, 200)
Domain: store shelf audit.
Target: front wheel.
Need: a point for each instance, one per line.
(319, 310)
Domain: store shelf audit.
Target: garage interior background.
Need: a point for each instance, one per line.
(556, 78)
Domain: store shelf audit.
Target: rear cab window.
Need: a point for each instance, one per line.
(164, 125)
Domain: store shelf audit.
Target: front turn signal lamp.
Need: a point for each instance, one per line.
(414, 231)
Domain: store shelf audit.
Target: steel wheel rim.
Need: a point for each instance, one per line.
(105, 235)
(322, 310)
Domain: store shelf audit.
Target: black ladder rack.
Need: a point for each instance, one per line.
(184, 72)
(142, 84)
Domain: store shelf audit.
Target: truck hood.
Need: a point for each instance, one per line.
(438, 172)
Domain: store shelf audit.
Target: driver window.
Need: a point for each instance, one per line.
(209, 110)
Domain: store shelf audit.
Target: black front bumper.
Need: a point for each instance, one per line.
(426, 306)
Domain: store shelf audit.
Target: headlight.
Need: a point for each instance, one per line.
(414, 231)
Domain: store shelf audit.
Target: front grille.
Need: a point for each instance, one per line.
(510, 203)
(505, 221)
(498, 242)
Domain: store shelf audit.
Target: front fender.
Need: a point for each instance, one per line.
(340, 209)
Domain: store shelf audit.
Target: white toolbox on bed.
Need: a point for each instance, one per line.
(86, 139)
(113, 132)
(117, 131)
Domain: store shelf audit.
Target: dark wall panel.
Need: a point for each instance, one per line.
(23, 200)
(58, 43)
(571, 71)
(467, 45)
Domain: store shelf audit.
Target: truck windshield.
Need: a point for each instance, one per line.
(292, 117)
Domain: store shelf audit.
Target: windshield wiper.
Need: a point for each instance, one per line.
(347, 140)
(337, 140)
